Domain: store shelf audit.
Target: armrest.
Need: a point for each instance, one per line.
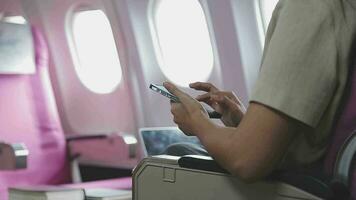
(302, 180)
(129, 140)
(162, 177)
(205, 163)
(118, 150)
(13, 156)
(86, 137)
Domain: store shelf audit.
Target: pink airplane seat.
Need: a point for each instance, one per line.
(28, 115)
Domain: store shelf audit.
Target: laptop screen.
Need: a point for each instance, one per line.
(156, 140)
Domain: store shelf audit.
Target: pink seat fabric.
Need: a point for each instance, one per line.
(28, 114)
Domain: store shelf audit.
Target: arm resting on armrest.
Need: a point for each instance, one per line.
(205, 163)
(305, 180)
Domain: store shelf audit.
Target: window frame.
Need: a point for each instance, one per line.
(73, 50)
(152, 7)
(262, 16)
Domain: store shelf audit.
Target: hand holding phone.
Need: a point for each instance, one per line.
(163, 91)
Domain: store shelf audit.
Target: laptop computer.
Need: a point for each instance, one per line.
(155, 140)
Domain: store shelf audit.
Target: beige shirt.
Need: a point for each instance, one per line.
(305, 68)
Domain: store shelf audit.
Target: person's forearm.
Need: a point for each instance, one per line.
(253, 149)
(218, 142)
(231, 153)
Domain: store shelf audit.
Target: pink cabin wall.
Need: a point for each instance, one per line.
(81, 111)
(12, 7)
(132, 105)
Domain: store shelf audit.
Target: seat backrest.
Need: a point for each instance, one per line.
(345, 126)
(28, 115)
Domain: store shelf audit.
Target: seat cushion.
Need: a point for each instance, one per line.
(119, 183)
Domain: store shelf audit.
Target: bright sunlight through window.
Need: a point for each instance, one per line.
(267, 7)
(98, 65)
(184, 47)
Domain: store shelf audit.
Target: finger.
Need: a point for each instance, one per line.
(225, 101)
(183, 97)
(175, 120)
(203, 97)
(207, 99)
(230, 103)
(207, 87)
(215, 104)
(172, 88)
(209, 94)
(230, 95)
(174, 108)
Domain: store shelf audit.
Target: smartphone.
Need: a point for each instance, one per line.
(163, 91)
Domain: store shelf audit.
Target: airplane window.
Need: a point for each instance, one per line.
(267, 7)
(183, 45)
(97, 64)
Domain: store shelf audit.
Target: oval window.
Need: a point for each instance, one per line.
(183, 47)
(98, 65)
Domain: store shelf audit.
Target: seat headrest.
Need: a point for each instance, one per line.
(16, 49)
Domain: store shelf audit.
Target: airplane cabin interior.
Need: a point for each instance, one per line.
(97, 100)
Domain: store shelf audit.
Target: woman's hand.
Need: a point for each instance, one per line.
(189, 114)
(223, 102)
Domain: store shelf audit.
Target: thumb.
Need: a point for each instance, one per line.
(183, 97)
(172, 88)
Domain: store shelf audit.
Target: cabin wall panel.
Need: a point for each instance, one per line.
(235, 36)
(249, 29)
(154, 110)
(82, 111)
(232, 71)
(11, 7)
